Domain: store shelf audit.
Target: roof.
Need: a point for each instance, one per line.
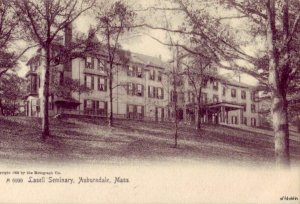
(232, 82)
(148, 60)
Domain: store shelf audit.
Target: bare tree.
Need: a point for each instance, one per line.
(276, 21)
(198, 72)
(112, 23)
(43, 22)
(9, 33)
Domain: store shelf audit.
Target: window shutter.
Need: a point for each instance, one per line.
(93, 105)
(143, 112)
(162, 93)
(85, 80)
(127, 111)
(153, 74)
(97, 105)
(127, 88)
(162, 113)
(128, 72)
(133, 89)
(149, 91)
(98, 83)
(92, 63)
(105, 84)
(134, 111)
(105, 108)
(84, 104)
(142, 90)
(92, 82)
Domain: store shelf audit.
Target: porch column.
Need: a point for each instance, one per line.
(226, 116)
(184, 114)
(241, 116)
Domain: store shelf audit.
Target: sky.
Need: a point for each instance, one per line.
(142, 43)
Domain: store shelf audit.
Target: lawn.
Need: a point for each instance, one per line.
(90, 141)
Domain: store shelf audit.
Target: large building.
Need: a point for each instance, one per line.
(142, 90)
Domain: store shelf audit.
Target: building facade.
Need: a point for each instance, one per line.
(142, 90)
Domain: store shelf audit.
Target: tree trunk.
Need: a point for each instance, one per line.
(278, 88)
(199, 110)
(110, 117)
(45, 98)
(1, 107)
(176, 118)
(281, 130)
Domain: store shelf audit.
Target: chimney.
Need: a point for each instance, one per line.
(68, 46)
(68, 35)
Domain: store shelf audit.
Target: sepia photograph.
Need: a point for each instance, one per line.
(150, 101)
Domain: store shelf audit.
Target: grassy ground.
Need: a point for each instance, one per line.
(87, 140)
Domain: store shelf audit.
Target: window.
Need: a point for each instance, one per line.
(131, 108)
(215, 98)
(243, 94)
(191, 97)
(245, 107)
(88, 104)
(233, 93)
(34, 83)
(89, 63)
(160, 93)
(130, 89)
(135, 112)
(51, 102)
(151, 92)
(159, 77)
(139, 90)
(215, 85)
(224, 91)
(61, 78)
(253, 96)
(102, 84)
(140, 112)
(204, 98)
(234, 119)
(139, 72)
(130, 71)
(101, 65)
(101, 108)
(89, 81)
(253, 122)
(173, 96)
(205, 83)
(252, 108)
(245, 120)
(152, 74)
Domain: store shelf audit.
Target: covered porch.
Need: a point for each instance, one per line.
(216, 113)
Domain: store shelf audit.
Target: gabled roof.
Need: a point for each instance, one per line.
(148, 60)
(232, 82)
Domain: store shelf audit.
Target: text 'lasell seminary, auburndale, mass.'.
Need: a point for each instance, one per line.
(81, 180)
